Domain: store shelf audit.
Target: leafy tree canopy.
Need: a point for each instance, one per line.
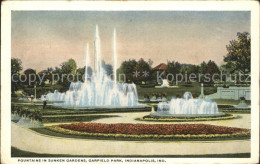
(16, 65)
(69, 67)
(144, 70)
(127, 68)
(238, 54)
(212, 68)
(173, 67)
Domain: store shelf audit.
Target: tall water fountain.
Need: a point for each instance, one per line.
(98, 90)
(188, 106)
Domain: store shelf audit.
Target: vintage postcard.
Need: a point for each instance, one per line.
(130, 82)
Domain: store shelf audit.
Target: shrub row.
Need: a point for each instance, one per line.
(225, 106)
(147, 85)
(25, 112)
(41, 90)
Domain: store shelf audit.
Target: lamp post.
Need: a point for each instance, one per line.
(34, 92)
(202, 91)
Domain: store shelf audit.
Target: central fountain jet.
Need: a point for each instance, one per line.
(99, 90)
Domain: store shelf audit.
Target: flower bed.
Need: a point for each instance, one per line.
(151, 131)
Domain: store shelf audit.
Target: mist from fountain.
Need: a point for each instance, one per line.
(100, 89)
(188, 106)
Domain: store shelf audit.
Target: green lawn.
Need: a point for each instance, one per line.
(21, 153)
(75, 118)
(51, 111)
(229, 101)
(194, 88)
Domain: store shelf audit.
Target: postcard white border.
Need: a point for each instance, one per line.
(8, 6)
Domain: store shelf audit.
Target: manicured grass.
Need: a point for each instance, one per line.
(77, 118)
(235, 110)
(194, 88)
(60, 111)
(50, 111)
(229, 101)
(15, 152)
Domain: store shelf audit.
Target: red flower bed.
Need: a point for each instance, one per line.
(160, 129)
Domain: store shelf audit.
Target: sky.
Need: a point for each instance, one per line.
(43, 39)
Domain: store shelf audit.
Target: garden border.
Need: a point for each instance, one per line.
(187, 119)
(178, 137)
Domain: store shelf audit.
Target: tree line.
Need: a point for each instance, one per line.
(237, 59)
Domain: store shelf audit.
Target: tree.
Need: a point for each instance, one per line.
(187, 70)
(212, 69)
(81, 73)
(31, 76)
(16, 67)
(173, 68)
(202, 67)
(127, 68)
(193, 69)
(56, 73)
(67, 73)
(238, 54)
(41, 78)
(49, 73)
(69, 67)
(143, 71)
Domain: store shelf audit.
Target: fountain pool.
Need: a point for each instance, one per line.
(187, 106)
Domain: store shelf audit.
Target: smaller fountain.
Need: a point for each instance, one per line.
(187, 106)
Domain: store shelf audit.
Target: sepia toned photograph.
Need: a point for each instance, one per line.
(130, 85)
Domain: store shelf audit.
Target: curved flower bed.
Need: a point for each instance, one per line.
(186, 119)
(151, 131)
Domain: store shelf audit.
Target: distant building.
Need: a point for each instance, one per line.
(160, 67)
